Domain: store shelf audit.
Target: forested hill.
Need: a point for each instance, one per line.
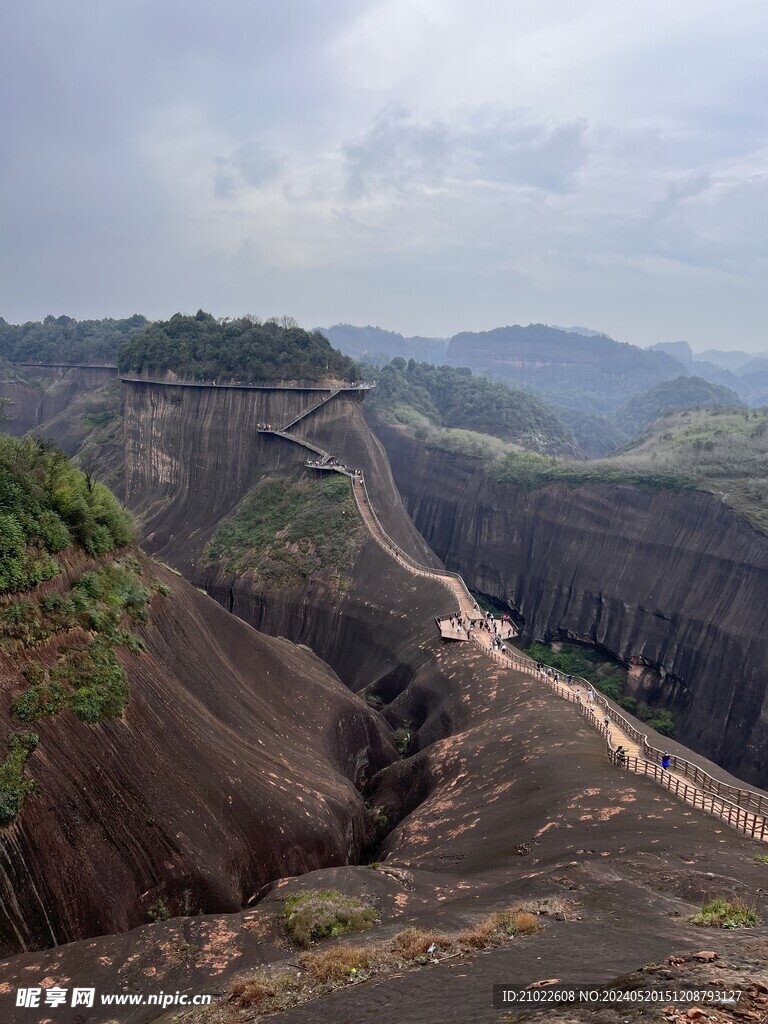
(599, 436)
(65, 340)
(420, 394)
(246, 349)
(46, 506)
(595, 375)
(377, 346)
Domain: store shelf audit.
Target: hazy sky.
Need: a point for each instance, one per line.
(427, 165)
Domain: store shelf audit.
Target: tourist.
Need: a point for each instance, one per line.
(621, 755)
(665, 761)
(607, 721)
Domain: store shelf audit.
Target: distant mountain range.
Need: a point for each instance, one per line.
(574, 368)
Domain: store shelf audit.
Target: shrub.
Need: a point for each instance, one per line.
(311, 916)
(248, 992)
(722, 913)
(402, 738)
(15, 787)
(761, 858)
(412, 943)
(337, 963)
(159, 911)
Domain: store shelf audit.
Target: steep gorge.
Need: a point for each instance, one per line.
(675, 584)
(238, 761)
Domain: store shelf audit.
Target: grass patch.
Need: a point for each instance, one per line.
(761, 858)
(288, 532)
(336, 964)
(532, 471)
(722, 913)
(311, 916)
(322, 971)
(15, 787)
(86, 678)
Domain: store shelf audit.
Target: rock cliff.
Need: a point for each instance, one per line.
(676, 584)
(237, 762)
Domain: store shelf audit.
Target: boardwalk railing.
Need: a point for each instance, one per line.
(742, 809)
(441, 575)
(243, 385)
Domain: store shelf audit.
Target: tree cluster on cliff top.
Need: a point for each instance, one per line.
(452, 397)
(245, 350)
(65, 340)
(46, 505)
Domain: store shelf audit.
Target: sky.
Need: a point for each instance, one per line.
(428, 166)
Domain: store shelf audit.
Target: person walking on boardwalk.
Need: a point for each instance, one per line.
(665, 761)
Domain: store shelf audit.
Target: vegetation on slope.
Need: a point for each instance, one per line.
(205, 348)
(598, 436)
(428, 397)
(722, 451)
(595, 374)
(95, 617)
(605, 675)
(287, 532)
(532, 472)
(46, 505)
(65, 340)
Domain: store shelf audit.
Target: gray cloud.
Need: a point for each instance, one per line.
(399, 153)
(430, 167)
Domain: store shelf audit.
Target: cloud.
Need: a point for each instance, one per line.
(430, 166)
(399, 153)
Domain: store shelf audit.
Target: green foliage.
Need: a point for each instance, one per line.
(532, 472)
(722, 913)
(402, 738)
(227, 350)
(288, 532)
(606, 676)
(163, 588)
(721, 451)
(310, 916)
(97, 420)
(65, 340)
(45, 506)
(97, 603)
(87, 677)
(15, 787)
(761, 858)
(424, 396)
(159, 911)
(599, 435)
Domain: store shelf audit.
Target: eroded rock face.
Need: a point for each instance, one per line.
(239, 761)
(676, 583)
(191, 454)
